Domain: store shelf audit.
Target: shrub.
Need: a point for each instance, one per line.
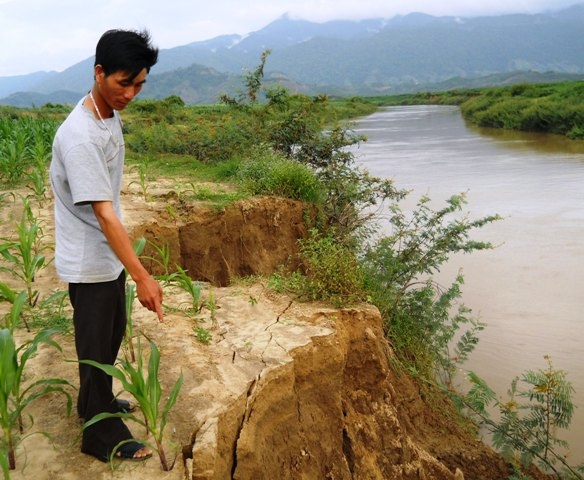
(331, 271)
(266, 172)
(421, 318)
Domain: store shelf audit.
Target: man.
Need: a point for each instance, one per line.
(92, 245)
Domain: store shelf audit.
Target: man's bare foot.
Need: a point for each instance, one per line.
(143, 453)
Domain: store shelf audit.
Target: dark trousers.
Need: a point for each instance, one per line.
(99, 318)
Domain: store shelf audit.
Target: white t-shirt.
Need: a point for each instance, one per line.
(87, 165)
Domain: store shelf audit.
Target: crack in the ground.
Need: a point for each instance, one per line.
(268, 327)
(244, 418)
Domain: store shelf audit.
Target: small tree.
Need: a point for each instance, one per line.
(530, 418)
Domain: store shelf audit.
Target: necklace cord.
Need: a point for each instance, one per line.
(99, 115)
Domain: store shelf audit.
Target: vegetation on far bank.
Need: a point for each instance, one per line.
(271, 142)
(556, 108)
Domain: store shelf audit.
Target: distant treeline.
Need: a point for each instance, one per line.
(547, 108)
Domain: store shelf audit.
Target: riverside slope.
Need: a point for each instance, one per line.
(284, 390)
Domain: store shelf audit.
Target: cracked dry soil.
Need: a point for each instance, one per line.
(284, 390)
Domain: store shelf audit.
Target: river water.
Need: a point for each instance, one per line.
(530, 289)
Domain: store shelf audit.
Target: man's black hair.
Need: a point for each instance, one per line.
(129, 51)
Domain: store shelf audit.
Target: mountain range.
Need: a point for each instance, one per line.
(369, 57)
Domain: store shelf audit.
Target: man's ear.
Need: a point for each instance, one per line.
(98, 73)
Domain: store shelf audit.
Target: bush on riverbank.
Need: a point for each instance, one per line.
(556, 108)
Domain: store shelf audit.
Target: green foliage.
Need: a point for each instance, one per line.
(182, 279)
(330, 272)
(218, 133)
(50, 312)
(537, 107)
(331, 269)
(350, 194)
(551, 108)
(203, 335)
(147, 391)
(15, 395)
(266, 172)
(24, 254)
(539, 404)
(253, 83)
(25, 143)
(421, 318)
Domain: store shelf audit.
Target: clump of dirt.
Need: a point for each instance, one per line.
(283, 390)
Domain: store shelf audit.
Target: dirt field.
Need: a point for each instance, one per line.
(284, 390)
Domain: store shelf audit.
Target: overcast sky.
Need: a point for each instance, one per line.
(55, 34)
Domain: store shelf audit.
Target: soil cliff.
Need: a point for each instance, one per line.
(283, 390)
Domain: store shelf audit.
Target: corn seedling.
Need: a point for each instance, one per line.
(147, 392)
(130, 297)
(3, 195)
(38, 182)
(18, 301)
(211, 304)
(171, 210)
(13, 160)
(24, 255)
(15, 396)
(138, 248)
(162, 259)
(142, 182)
(182, 280)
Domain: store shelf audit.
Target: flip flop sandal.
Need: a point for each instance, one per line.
(128, 451)
(124, 406)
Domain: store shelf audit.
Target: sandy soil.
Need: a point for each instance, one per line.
(242, 330)
(283, 390)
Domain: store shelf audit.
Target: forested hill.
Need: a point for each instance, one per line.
(376, 56)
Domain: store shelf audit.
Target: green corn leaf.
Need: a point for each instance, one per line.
(8, 363)
(154, 389)
(109, 369)
(139, 245)
(18, 306)
(5, 251)
(104, 415)
(171, 401)
(6, 293)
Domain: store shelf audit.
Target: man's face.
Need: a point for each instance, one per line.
(118, 88)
